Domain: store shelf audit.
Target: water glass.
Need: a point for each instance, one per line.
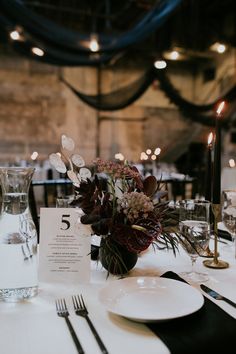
(194, 227)
(64, 201)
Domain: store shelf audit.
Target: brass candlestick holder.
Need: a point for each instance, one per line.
(215, 262)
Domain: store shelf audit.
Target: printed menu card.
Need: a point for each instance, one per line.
(64, 246)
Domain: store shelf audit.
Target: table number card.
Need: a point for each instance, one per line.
(64, 247)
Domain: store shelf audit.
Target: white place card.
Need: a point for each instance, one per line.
(64, 246)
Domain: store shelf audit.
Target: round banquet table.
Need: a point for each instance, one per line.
(33, 327)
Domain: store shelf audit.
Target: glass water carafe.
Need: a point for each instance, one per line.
(18, 236)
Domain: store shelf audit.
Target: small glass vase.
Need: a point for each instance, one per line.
(18, 236)
(116, 259)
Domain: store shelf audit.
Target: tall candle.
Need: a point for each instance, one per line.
(208, 183)
(217, 156)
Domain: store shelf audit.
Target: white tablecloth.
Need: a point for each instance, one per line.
(228, 178)
(33, 327)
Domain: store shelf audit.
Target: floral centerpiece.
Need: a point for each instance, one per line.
(121, 206)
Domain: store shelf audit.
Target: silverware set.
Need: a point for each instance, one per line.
(80, 310)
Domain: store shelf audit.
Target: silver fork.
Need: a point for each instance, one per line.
(81, 310)
(62, 311)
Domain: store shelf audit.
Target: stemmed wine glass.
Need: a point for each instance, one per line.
(194, 236)
(229, 216)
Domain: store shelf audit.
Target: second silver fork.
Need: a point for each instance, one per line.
(81, 310)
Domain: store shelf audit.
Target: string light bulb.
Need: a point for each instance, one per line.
(174, 55)
(15, 35)
(93, 45)
(221, 48)
(37, 51)
(160, 64)
(218, 47)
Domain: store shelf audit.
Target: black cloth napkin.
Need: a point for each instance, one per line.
(224, 234)
(210, 330)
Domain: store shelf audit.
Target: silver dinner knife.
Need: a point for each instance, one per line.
(216, 295)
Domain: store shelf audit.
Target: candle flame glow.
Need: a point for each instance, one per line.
(220, 108)
(210, 138)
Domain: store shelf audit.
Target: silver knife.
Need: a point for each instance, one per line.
(216, 295)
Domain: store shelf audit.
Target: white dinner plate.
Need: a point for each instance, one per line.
(150, 299)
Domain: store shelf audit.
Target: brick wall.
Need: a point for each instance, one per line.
(36, 108)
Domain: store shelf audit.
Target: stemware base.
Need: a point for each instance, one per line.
(215, 263)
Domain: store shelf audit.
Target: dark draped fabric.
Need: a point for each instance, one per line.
(201, 113)
(177, 99)
(67, 47)
(123, 97)
(117, 99)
